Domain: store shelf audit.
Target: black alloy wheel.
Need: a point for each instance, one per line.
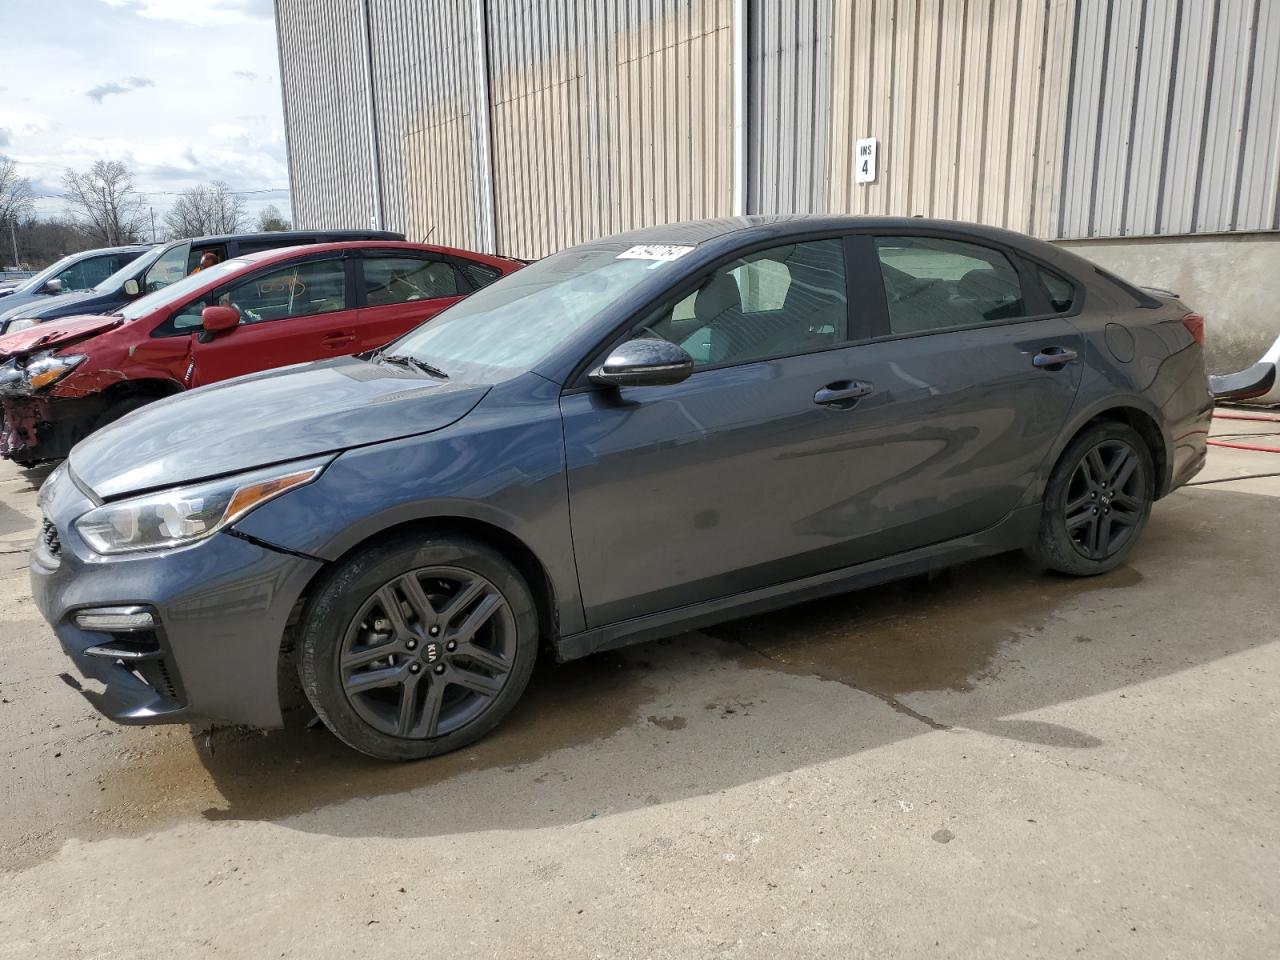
(1096, 502)
(1106, 499)
(418, 645)
(427, 652)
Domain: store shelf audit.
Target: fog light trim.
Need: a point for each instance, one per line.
(115, 619)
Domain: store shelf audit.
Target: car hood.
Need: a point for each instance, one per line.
(265, 418)
(60, 333)
(37, 305)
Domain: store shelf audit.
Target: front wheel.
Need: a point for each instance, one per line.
(1097, 501)
(418, 646)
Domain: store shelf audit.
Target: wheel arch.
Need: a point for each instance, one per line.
(1134, 412)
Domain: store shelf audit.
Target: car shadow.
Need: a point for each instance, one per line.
(974, 648)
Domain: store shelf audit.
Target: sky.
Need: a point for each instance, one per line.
(184, 91)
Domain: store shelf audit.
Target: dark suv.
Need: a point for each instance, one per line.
(628, 439)
(161, 267)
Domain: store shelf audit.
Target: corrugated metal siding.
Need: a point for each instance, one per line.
(965, 99)
(789, 97)
(323, 80)
(606, 116)
(1173, 125)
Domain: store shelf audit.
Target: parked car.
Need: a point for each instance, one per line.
(625, 440)
(73, 274)
(162, 266)
(13, 278)
(60, 381)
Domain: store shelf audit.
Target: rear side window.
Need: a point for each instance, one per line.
(934, 284)
(1059, 290)
(480, 274)
(389, 280)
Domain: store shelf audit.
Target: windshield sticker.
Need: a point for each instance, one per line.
(661, 252)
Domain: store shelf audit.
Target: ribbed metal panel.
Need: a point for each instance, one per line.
(965, 97)
(789, 95)
(606, 116)
(322, 74)
(1172, 124)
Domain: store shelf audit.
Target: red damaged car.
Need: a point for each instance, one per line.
(60, 381)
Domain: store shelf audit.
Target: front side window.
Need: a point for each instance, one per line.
(299, 290)
(389, 280)
(87, 273)
(780, 302)
(170, 268)
(935, 284)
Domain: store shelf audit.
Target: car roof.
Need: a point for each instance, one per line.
(285, 253)
(126, 248)
(345, 234)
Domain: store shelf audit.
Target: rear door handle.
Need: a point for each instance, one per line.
(842, 393)
(1051, 357)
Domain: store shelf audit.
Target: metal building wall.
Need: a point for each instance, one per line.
(322, 74)
(1173, 126)
(966, 98)
(789, 89)
(607, 114)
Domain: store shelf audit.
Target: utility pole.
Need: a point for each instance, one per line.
(153, 224)
(13, 238)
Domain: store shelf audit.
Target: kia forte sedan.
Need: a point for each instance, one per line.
(622, 441)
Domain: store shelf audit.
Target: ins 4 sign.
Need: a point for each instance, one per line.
(864, 155)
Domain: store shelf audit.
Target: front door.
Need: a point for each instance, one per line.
(291, 314)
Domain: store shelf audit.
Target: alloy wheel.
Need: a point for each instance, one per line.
(1106, 499)
(428, 652)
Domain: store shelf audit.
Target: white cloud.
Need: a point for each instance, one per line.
(229, 131)
(103, 90)
(199, 14)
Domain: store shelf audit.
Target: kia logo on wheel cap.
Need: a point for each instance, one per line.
(431, 652)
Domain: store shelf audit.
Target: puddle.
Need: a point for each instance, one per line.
(940, 632)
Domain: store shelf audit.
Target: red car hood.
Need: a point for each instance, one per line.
(53, 334)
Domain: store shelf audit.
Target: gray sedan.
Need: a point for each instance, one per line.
(625, 440)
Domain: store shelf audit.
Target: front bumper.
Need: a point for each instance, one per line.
(221, 608)
(45, 428)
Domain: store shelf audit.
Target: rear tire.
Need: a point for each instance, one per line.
(418, 646)
(1097, 501)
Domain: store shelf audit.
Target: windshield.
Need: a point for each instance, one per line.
(517, 321)
(180, 289)
(133, 268)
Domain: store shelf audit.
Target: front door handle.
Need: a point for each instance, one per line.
(1054, 358)
(338, 339)
(843, 393)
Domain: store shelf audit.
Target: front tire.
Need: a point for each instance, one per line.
(418, 646)
(1097, 501)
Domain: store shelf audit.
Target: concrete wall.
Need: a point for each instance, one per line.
(1234, 280)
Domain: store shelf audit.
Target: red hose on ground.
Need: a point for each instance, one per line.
(1257, 418)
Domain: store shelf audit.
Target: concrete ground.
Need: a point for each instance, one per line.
(990, 763)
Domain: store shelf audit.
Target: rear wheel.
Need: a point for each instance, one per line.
(1097, 501)
(417, 647)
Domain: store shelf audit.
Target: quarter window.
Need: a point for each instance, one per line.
(390, 280)
(935, 284)
(784, 301)
(480, 274)
(1059, 290)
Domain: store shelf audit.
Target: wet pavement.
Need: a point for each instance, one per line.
(986, 762)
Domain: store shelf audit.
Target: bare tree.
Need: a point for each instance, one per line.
(270, 220)
(105, 203)
(204, 210)
(15, 201)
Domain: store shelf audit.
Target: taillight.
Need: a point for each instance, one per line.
(1194, 323)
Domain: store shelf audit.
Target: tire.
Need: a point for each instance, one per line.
(383, 681)
(1097, 501)
(119, 409)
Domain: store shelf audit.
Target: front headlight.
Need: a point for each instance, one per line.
(22, 323)
(46, 369)
(175, 518)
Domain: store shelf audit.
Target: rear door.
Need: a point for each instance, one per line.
(288, 314)
(399, 290)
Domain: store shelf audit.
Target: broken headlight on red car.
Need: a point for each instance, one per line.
(46, 369)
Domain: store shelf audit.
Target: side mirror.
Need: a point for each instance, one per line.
(132, 288)
(219, 319)
(644, 363)
(53, 286)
